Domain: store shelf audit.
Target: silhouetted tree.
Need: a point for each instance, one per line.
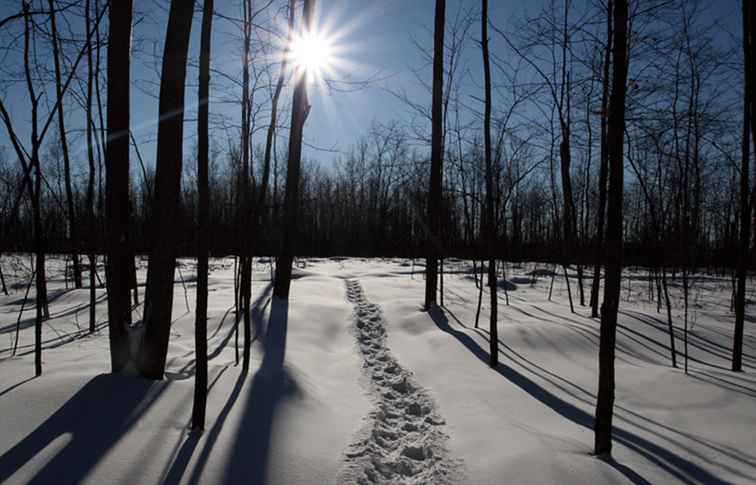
(203, 235)
(299, 111)
(615, 141)
(749, 19)
(73, 229)
(117, 183)
(433, 236)
(158, 300)
(490, 225)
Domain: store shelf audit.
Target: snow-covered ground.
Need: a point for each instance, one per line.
(351, 382)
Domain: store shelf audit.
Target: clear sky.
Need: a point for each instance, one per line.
(376, 39)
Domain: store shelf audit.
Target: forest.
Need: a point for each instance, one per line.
(428, 242)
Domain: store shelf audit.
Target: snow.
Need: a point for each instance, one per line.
(310, 409)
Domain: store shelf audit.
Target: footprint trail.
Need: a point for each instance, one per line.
(403, 441)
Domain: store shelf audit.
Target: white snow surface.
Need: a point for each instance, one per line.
(309, 410)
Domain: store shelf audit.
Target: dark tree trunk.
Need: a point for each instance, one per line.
(73, 236)
(91, 224)
(203, 235)
(490, 223)
(745, 213)
(2, 282)
(615, 135)
(35, 193)
(299, 111)
(245, 200)
(160, 272)
(436, 170)
(603, 167)
(117, 184)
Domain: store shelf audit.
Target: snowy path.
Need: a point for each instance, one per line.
(403, 441)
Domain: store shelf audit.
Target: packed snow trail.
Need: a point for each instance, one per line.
(403, 441)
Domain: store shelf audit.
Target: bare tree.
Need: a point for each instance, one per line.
(615, 140)
(299, 111)
(158, 305)
(203, 235)
(90, 197)
(117, 183)
(73, 231)
(603, 164)
(749, 19)
(490, 225)
(437, 153)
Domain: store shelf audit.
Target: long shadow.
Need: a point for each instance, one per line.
(696, 341)
(176, 471)
(261, 300)
(681, 468)
(587, 397)
(18, 384)
(28, 322)
(270, 385)
(54, 342)
(96, 417)
(251, 449)
(52, 295)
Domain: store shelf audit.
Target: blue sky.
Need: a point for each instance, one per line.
(377, 39)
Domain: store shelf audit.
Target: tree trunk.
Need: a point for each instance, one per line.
(603, 167)
(203, 235)
(117, 184)
(615, 135)
(91, 224)
(745, 213)
(490, 223)
(299, 111)
(436, 171)
(245, 189)
(158, 304)
(73, 236)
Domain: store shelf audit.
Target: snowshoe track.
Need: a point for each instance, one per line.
(403, 441)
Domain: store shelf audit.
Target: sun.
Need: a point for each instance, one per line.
(313, 53)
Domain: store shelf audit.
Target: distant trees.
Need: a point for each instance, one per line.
(434, 208)
(615, 142)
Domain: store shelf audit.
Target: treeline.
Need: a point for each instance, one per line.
(371, 203)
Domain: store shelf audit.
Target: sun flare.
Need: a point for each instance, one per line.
(313, 53)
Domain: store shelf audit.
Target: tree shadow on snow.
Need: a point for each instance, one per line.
(270, 385)
(681, 468)
(93, 420)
